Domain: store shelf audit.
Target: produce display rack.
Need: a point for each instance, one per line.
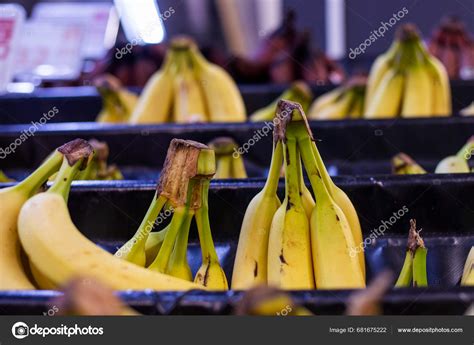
(109, 212)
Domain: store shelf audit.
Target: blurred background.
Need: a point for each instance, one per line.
(257, 41)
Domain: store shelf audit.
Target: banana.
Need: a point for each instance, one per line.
(298, 92)
(189, 104)
(468, 273)
(459, 162)
(331, 238)
(4, 178)
(406, 275)
(224, 167)
(289, 247)
(402, 164)
(317, 172)
(419, 92)
(238, 167)
(387, 98)
(210, 274)
(12, 199)
(413, 272)
(118, 103)
(338, 110)
(250, 265)
(441, 87)
(155, 102)
(379, 69)
(323, 101)
(223, 98)
(468, 111)
(228, 165)
(60, 252)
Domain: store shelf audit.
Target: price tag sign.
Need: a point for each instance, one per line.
(99, 20)
(49, 51)
(11, 20)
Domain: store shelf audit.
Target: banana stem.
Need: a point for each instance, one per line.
(141, 235)
(406, 274)
(160, 263)
(33, 182)
(64, 178)
(271, 185)
(208, 250)
(292, 176)
(180, 250)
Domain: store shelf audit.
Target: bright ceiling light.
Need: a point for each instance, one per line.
(141, 21)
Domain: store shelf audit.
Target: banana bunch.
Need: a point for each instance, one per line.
(413, 272)
(468, 273)
(297, 243)
(299, 92)
(343, 102)
(117, 102)
(189, 89)
(4, 178)
(184, 187)
(229, 163)
(402, 164)
(407, 81)
(55, 249)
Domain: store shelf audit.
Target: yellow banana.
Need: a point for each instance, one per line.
(323, 101)
(4, 178)
(155, 102)
(457, 163)
(468, 273)
(468, 111)
(14, 276)
(224, 167)
(118, 103)
(441, 87)
(238, 167)
(189, 104)
(402, 164)
(60, 252)
(331, 236)
(418, 93)
(387, 98)
(379, 69)
(250, 265)
(306, 143)
(289, 247)
(298, 92)
(210, 274)
(223, 99)
(338, 110)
